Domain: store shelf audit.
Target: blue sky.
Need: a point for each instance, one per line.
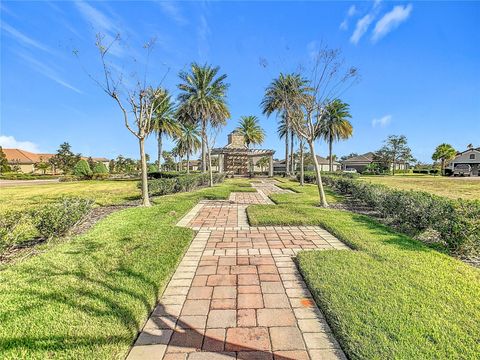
(419, 64)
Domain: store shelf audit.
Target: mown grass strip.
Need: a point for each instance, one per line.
(392, 297)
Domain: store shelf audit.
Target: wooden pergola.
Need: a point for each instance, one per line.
(236, 160)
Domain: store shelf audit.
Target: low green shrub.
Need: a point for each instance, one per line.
(55, 219)
(100, 168)
(457, 222)
(180, 183)
(22, 176)
(15, 227)
(68, 178)
(82, 169)
(104, 176)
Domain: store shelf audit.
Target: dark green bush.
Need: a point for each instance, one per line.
(457, 222)
(55, 219)
(22, 176)
(180, 183)
(100, 168)
(82, 169)
(68, 178)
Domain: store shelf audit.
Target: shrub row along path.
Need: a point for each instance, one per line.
(237, 293)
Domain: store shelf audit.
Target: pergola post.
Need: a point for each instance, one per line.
(270, 166)
(220, 163)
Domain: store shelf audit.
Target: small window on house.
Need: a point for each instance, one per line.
(472, 156)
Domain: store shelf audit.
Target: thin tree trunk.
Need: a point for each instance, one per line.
(287, 162)
(321, 192)
(188, 162)
(143, 161)
(302, 172)
(209, 157)
(330, 160)
(292, 162)
(442, 170)
(204, 146)
(159, 143)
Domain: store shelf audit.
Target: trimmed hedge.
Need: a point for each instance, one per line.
(456, 223)
(180, 183)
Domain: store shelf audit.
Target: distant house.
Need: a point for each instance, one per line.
(470, 157)
(360, 162)
(26, 160)
(279, 165)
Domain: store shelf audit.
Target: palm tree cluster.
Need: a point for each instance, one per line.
(201, 106)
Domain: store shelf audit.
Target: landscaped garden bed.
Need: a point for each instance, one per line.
(391, 296)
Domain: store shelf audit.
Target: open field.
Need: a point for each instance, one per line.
(105, 192)
(392, 297)
(87, 298)
(454, 188)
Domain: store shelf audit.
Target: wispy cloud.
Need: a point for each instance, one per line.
(95, 17)
(172, 10)
(9, 142)
(352, 11)
(391, 20)
(382, 122)
(48, 72)
(361, 28)
(24, 39)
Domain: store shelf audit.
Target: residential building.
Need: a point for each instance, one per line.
(361, 162)
(470, 157)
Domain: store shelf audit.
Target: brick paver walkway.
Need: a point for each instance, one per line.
(237, 293)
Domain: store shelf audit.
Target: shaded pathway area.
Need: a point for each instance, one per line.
(237, 293)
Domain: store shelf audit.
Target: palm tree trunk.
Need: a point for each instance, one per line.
(159, 143)
(287, 163)
(330, 160)
(302, 172)
(204, 146)
(143, 161)
(321, 192)
(292, 164)
(188, 162)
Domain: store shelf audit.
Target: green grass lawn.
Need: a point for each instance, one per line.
(87, 298)
(451, 187)
(106, 192)
(390, 298)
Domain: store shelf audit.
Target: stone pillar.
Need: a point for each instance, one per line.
(270, 166)
(220, 163)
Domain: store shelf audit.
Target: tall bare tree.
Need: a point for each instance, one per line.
(138, 102)
(307, 108)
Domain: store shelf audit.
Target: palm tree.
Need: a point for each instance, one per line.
(263, 163)
(444, 152)
(164, 122)
(335, 126)
(188, 142)
(279, 97)
(251, 130)
(203, 100)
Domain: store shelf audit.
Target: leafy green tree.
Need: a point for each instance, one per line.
(395, 150)
(4, 167)
(111, 166)
(64, 160)
(99, 168)
(203, 100)
(42, 166)
(444, 152)
(82, 169)
(263, 162)
(164, 123)
(169, 161)
(279, 97)
(188, 142)
(91, 162)
(251, 130)
(335, 126)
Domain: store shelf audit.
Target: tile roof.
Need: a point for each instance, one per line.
(26, 157)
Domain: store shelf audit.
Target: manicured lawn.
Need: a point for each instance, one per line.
(390, 298)
(106, 192)
(445, 186)
(87, 298)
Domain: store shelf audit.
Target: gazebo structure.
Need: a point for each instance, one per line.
(236, 158)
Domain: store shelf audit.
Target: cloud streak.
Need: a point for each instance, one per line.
(48, 72)
(382, 122)
(391, 21)
(173, 11)
(9, 142)
(361, 28)
(24, 39)
(352, 11)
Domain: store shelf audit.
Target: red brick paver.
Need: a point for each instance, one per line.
(237, 293)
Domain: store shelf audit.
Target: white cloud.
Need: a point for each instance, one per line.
(95, 17)
(47, 71)
(24, 39)
(173, 11)
(361, 28)
(352, 10)
(391, 20)
(344, 25)
(383, 121)
(10, 142)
